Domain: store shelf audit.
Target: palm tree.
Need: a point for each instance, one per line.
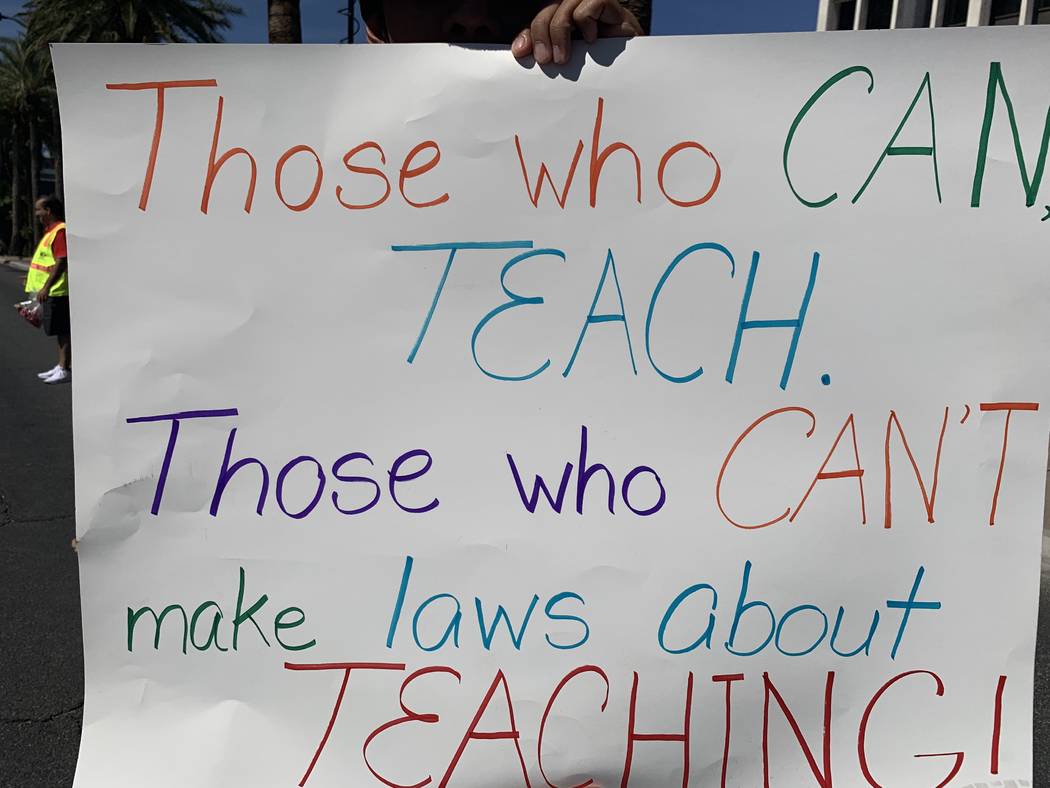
(128, 21)
(48, 21)
(285, 21)
(25, 87)
(14, 150)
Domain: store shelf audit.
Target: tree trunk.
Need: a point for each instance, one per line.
(56, 150)
(34, 177)
(5, 176)
(29, 222)
(56, 162)
(15, 245)
(285, 23)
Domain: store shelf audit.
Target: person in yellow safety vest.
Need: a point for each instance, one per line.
(47, 283)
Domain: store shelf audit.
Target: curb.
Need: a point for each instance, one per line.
(18, 263)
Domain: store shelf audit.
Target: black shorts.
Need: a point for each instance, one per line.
(56, 316)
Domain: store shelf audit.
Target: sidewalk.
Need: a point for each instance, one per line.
(18, 263)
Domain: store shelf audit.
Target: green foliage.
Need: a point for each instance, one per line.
(25, 78)
(128, 21)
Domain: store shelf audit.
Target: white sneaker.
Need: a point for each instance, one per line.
(49, 372)
(60, 376)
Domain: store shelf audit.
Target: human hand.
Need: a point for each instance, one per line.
(549, 38)
(41, 295)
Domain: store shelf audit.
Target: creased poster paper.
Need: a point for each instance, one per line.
(677, 418)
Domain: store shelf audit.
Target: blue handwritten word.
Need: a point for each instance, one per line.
(445, 609)
(610, 278)
(778, 630)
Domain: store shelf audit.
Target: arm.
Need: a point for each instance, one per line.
(56, 271)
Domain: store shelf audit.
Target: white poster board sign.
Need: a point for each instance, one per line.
(674, 419)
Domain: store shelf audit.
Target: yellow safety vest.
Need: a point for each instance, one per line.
(42, 263)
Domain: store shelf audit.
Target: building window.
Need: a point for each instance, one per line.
(955, 12)
(1005, 12)
(845, 12)
(1042, 12)
(879, 14)
(915, 13)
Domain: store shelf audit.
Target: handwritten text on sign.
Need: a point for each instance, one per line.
(380, 475)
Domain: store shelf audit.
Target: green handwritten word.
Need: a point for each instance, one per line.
(996, 93)
(891, 149)
(208, 618)
(996, 84)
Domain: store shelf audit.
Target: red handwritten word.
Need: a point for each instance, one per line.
(598, 158)
(420, 160)
(498, 693)
(927, 483)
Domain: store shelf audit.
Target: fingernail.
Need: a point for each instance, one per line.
(519, 43)
(540, 51)
(559, 54)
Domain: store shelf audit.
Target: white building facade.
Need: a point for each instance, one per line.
(884, 14)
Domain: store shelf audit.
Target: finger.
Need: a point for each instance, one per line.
(522, 46)
(610, 18)
(606, 12)
(562, 25)
(586, 18)
(541, 34)
(630, 27)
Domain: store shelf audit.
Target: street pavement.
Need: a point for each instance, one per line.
(41, 662)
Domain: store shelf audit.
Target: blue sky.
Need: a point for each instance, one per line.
(323, 24)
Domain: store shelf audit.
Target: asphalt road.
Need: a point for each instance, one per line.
(41, 667)
(41, 664)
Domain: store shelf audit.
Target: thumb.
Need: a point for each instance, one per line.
(522, 46)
